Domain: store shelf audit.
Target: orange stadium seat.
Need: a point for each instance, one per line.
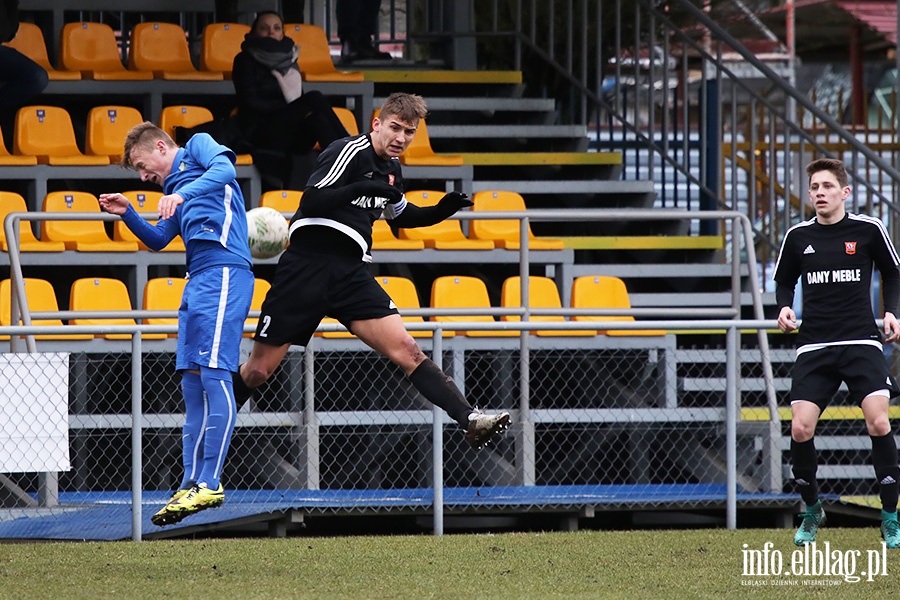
(315, 60)
(29, 41)
(182, 115)
(13, 160)
(542, 293)
(505, 233)
(47, 133)
(104, 294)
(348, 119)
(221, 43)
(383, 239)
(446, 235)
(459, 291)
(107, 127)
(163, 293)
(284, 201)
(162, 48)
(92, 50)
(40, 297)
(11, 202)
(420, 152)
(143, 201)
(404, 294)
(603, 291)
(84, 236)
(261, 287)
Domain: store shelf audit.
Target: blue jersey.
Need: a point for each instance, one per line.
(213, 216)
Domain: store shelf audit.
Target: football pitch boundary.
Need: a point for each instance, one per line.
(695, 563)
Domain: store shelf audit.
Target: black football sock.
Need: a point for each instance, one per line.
(803, 456)
(241, 392)
(441, 391)
(884, 459)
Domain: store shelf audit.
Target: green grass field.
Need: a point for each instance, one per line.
(703, 563)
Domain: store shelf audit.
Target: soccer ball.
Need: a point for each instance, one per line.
(267, 232)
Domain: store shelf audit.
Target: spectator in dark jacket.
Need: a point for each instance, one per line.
(277, 117)
(20, 77)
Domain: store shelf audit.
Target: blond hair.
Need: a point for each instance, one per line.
(144, 137)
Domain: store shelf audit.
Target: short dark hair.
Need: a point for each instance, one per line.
(409, 108)
(832, 165)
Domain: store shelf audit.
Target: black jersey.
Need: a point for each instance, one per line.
(344, 162)
(834, 263)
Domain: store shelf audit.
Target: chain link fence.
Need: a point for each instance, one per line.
(621, 422)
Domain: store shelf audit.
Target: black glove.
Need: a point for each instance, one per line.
(452, 202)
(377, 189)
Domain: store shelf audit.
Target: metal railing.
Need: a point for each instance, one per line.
(731, 400)
(713, 124)
(527, 456)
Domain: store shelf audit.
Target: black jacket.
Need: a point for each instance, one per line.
(257, 90)
(9, 20)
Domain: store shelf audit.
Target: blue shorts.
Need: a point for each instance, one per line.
(211, 318)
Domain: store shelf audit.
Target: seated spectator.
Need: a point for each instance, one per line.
(277, 118)
(20, 77)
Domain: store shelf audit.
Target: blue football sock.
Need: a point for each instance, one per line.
(219, 425)
(194, 425)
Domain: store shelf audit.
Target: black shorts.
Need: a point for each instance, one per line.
(308, 287)
(818, 374)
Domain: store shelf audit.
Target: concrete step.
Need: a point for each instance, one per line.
(594, 188)
(494, 131)
(455, 139)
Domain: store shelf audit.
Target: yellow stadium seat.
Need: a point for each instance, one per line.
(183, 115)
(143, 201)
(187, 116)
(459, 291)
(104, 294)
(13, 160)
(221, 43)
(284, 201)
(446, 235)
(542, 293)
(420, 152)
(383, 239)
(29, 41)
(162, 48)
(315, 54)
(261, 287)
(603, 291)
(403, 292)
(107, 127)
(84, 236)
(40, 297)
(333, 334)
(348, 119)
(47, 133)
(92, 50)
(11, 202)
(505, 233)
(163, 293)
